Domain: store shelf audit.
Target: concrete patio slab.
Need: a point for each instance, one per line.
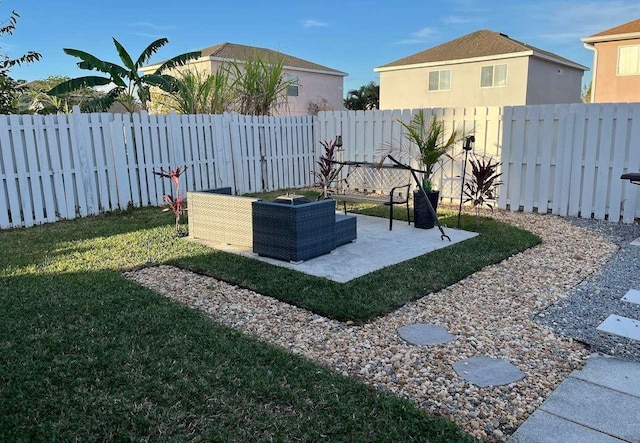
(487, 371)
(610, 412)
(622, 326)
(612, 373)
(542, 427)
(425, 334)
(375, 248)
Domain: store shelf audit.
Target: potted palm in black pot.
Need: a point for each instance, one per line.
(427, 145)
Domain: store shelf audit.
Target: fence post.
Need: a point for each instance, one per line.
(82, 141)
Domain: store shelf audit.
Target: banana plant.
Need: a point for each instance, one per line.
(126, 78)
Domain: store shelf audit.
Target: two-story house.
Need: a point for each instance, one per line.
(484, 68)
(313, 83)
(616, 64)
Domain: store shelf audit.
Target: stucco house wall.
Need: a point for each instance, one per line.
(408, 87)
(549, 82)
(533, 76)
(609, 87)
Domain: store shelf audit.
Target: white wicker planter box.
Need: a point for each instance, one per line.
(220, 218)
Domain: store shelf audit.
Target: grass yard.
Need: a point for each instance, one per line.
(86, 355)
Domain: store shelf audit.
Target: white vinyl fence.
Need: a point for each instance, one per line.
(368, 135)
(69, 165)
(563, 159)
(567, 160)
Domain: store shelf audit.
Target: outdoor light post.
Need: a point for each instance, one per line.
(466, 147)
(340, 158)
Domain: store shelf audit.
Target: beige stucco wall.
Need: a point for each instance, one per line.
(608, 86)
(552, 83)
(314, 87)
(407, 88)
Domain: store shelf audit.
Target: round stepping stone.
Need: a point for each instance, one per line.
(424, 334)
(487, 371)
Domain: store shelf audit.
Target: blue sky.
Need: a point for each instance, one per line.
(351, 36)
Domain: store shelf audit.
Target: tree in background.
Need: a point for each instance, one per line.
(367, 97)
(33, 98)
(258, 85)
(585, 96)
(9, 88)
(130, 86)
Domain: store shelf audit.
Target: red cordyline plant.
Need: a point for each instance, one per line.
(327, 171)
(174, 204)
(484, 182)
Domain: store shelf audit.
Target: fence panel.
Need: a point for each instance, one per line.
(566, 159)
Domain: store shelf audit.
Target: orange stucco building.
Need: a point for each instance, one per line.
(616, 64)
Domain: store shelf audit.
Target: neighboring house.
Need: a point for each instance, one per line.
(316, 84)
(484, 68)
(616, 64)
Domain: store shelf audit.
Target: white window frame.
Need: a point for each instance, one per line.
(440, 88)
(295, 87)
(637, 71)
(493, 75)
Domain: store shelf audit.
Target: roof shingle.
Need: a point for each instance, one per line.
(481, 43)
(627, 28)
(233, 51)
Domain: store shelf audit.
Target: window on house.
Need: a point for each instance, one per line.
(629, 60)
(292, 89)
(492, 76)
(440, 80)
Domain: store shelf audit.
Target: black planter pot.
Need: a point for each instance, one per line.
(422, 216)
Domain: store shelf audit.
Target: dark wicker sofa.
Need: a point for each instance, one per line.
(299, 232)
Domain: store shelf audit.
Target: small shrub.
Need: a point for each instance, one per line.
(328, 172)
(174, 204)
(484, 182)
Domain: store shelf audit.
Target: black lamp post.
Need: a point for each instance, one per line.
(467, 147)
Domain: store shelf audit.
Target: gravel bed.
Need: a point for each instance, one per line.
(491, 313)
(592, 301)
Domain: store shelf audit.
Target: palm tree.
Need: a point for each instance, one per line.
(128, 82)
(364, 98)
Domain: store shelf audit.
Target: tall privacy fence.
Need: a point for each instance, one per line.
(69, 165)
(564, 159)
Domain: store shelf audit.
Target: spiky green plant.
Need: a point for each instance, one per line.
(427, 144)
(198, 92)
(129, 84)
(259, 84)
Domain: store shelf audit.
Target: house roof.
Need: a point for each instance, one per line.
(234, 51)
(483, 43)
(621, 32)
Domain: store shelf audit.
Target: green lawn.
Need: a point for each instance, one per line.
(86, 355)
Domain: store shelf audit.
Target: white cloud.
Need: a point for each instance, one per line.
(421, 36)
(314, 24)
(568, 21)
(152, 26)
(457, 20)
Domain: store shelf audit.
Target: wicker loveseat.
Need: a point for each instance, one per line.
(301, 231)
(219, 217)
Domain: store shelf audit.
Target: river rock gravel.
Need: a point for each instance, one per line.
(599, 296)
(491, 313)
